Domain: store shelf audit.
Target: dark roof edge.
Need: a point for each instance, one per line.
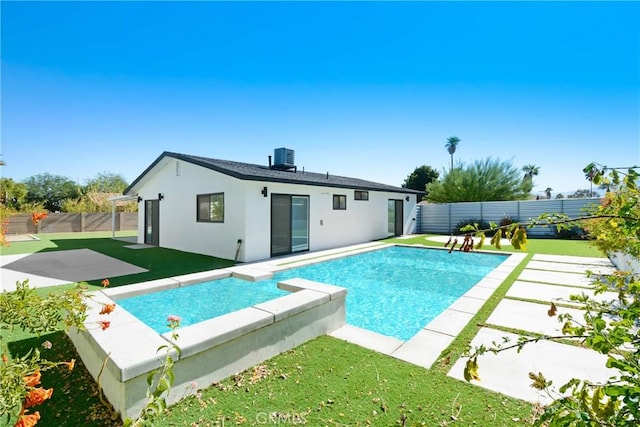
(135, 181)
(246, 177)
(391, 189)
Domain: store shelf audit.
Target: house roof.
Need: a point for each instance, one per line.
(253, 172)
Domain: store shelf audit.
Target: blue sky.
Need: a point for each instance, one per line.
(369, 90)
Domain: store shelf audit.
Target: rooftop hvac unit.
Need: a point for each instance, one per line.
(284, 158)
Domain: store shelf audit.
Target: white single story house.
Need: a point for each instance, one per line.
(250, 212)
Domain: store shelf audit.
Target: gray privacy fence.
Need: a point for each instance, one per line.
(72, 222)
(442, 218)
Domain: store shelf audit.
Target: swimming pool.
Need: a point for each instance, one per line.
(393, 291)
(199, 302)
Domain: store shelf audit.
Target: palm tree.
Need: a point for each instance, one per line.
(590, 173)
(530, 171)
(548, 191)
(452, 143)
(527, 180)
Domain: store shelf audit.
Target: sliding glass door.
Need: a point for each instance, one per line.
(395, 218)
(152, 222)
(289, 224)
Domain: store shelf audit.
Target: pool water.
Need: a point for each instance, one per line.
(394, 291)
(198, 302)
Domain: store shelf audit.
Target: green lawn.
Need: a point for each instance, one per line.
(323, 382)
(537, 246)
(160, 262)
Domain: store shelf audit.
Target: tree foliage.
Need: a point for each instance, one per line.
(482, 181)
(106, 182)
(51, 190)
(13, 194)
(420, 177)
(583, 194)
(608, 327)
(58, 193)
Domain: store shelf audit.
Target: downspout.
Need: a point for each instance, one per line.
(238, 250)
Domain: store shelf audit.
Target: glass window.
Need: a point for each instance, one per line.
(339, 202)
(361, 195)
(211, 207)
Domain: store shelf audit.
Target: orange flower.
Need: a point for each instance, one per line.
(104, 324)
(105, 282)
(28, 420)
(36, 217)
(36, 396)
(33, 379)
(5, 359)
(107, 308)
(70, 364)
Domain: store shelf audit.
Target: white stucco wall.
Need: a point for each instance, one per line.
(248, 213)
(178, 226)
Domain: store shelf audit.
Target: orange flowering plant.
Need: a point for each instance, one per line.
(21, 375)
(36, 217)
(3, 233)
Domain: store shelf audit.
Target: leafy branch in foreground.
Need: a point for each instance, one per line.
(164, 378)
(609, 327)
(25, 309)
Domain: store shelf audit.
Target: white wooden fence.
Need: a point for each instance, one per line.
(442, 218)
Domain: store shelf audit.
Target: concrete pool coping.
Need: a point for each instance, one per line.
(127, 351)
(422, 349)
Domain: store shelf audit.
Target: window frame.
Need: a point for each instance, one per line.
(210, 196)
(341, 200)
(364, 195)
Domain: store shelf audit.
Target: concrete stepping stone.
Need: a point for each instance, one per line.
(546, 293)
(508, 372)
(556, 277)
(573, 259)
(570, 267)
(530, 317)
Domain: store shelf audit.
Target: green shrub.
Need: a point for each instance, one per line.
(481, 225)
(505, 221)
(574, 232)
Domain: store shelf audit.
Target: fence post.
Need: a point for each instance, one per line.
(82, 222)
